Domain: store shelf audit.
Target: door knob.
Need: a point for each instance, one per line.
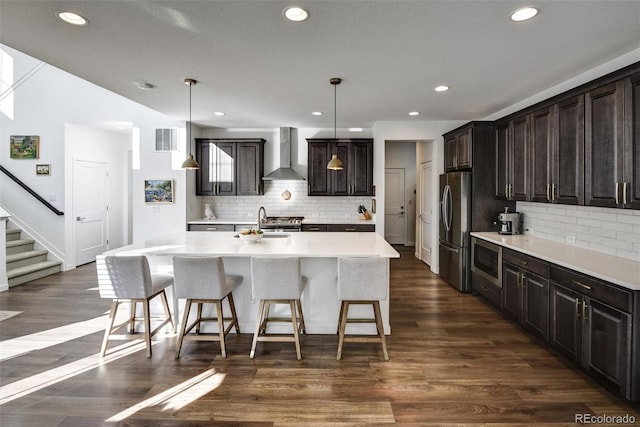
(80, 218)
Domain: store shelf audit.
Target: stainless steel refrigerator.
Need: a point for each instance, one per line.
(455, 226)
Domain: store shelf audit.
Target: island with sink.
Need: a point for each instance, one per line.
(318, 252)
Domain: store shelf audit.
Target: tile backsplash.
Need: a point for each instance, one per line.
(300, 204)
(607, 230)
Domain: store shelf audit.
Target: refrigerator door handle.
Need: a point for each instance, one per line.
(449, 207)
(448, 246)
(443, 208)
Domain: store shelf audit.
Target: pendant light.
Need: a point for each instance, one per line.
(190, 163)
(335, 163)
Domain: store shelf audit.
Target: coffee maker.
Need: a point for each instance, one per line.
(510, 222)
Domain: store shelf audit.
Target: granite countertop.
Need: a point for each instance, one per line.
(620, 271)
(223, 243)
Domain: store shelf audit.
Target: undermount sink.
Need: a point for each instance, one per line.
(275, 235)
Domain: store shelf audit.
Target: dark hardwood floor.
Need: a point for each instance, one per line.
(453, 361)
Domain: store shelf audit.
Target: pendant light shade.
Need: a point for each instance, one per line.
(335, 163)
(190, 163)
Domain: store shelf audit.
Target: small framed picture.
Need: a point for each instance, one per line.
(158, 191)
(24, 146)
(43, 169)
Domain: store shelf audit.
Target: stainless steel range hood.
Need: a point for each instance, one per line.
(284, 171)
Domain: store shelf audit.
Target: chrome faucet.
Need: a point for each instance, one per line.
(260, 211)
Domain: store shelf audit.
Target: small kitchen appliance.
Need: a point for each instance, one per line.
(510, 222)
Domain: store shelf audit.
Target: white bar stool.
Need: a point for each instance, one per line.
(277, 281)
(131, 281)
(362, 281)
(202, 281)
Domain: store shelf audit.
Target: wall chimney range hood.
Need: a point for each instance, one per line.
(284, 171)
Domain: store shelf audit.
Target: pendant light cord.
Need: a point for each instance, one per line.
(190, 132)
(335, 109)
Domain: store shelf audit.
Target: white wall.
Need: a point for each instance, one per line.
(45, 99)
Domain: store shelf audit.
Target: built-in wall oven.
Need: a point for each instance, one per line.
(486, 260)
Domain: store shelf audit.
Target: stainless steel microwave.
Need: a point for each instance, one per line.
(486, 260)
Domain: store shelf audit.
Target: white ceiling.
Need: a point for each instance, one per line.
(264, 71)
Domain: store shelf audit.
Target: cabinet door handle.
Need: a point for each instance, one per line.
(587, 287)
(212, 228)
(524, 262)
(624, 193)
(554, 192)
(349, 229)
(617, 200)
(577, 308)
(548, 191)
(584, 311)
(511, 191)
(484, 288)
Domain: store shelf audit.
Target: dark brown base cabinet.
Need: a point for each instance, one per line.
(339, 227)
(592, 324)
(595, 324)
(525, 291)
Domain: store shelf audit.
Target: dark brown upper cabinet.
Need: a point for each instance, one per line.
(458, 150)
(512, 155)
(230, 167)
(356, 179)
(557, 153)
(631, 181)
(604, 146)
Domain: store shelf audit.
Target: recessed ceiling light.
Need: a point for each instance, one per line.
(295, 14)
(414, 113)
(73, 18)
(145, 86)
(441, 88)
(317, 113)
(524, 13)
(218, 113)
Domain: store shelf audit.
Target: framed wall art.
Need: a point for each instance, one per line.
(24, 146)
(43, 169)
(158, 191)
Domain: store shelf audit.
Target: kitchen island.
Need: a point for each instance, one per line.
(318, 253)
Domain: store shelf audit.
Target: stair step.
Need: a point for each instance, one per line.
(31, 272)
(23, 259)
(22, 245)
(13, 234)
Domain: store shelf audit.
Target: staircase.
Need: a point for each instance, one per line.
(24, 263)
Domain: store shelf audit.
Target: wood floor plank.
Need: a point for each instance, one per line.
(454, 361)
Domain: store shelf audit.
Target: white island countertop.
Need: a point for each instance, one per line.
(620, 271)
(301, 244)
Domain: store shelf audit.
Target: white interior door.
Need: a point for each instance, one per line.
(394, 206)
(426, 212)
(89, 209)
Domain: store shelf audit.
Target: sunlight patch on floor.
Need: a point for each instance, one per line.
(176, 397)
(37, 341)
(4, 315)
(45, 379)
